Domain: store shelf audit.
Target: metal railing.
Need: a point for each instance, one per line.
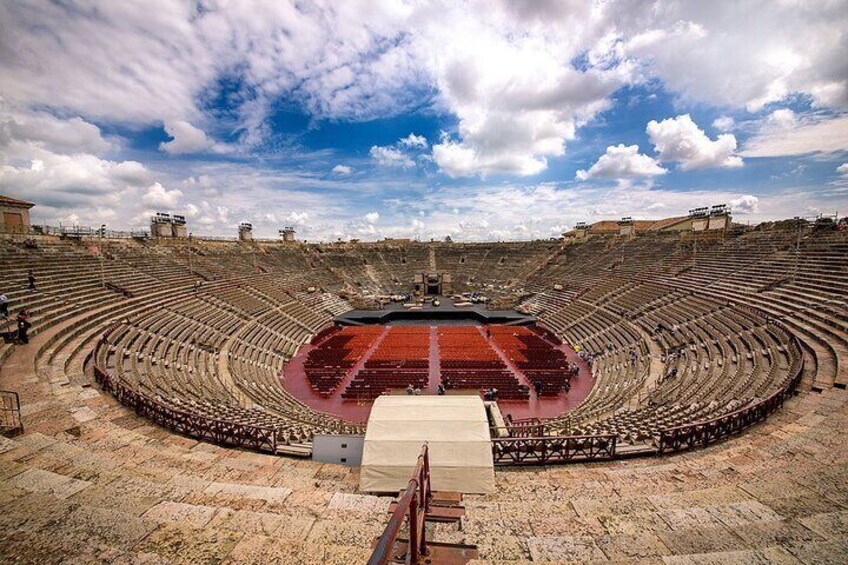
(10, 413)
(411, 508)
(76, 231)
(554, 449)
(531, 430)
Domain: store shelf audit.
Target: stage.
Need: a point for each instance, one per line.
(446, 313)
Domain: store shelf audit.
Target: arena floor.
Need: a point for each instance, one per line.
(294, 379)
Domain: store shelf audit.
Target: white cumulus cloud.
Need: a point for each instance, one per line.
(186, 138)
(342, 170)
(783, 118)
(414, 141)
(297, 218)
(158, 195)
(72, 135)
(680, 140)
(747, 204)
(724, 123)
(372, 217)
(621, 162)
(390, 157)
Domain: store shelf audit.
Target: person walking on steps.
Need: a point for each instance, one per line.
(4, 306)
(23, 327)
(31, 281)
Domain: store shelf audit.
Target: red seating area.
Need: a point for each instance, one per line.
(324, 334)
(468, 361)
(327, 364)
(402, 358)
(534, 357)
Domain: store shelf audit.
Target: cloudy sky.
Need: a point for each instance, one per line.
(479, 120)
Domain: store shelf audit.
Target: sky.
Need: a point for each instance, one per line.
(480, 120)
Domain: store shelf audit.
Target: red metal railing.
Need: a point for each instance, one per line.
(411, 508)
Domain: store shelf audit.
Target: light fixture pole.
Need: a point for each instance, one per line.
(695, 251)
(100, 249)
(799, 223)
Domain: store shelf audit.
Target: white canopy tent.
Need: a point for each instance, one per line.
(454, 427)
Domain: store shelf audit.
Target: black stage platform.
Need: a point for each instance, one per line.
(445, 313)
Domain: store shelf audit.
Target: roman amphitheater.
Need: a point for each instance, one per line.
(666, 393)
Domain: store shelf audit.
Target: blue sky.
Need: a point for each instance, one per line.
(478, 120)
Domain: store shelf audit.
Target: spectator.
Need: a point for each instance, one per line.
(537, 385)
(440, 389)
(609, 346)
(633, 357)
(23, 326)
(410, 390)
(31, 281)
(417, 391)
(4, 306)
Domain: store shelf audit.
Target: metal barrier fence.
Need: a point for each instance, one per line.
(555, 449)
(10, 413)
(412, 509)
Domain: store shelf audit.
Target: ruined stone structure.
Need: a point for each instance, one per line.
(14, 215)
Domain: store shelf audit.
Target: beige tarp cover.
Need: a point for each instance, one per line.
(454, 427)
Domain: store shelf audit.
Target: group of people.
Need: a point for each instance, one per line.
(586, 356)
(416, 391)
(662, 328)
(539, 386)
(20, 334)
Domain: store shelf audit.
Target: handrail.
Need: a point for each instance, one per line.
(526, 430)
(553, 449)
(10, 413)
(412, 506)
